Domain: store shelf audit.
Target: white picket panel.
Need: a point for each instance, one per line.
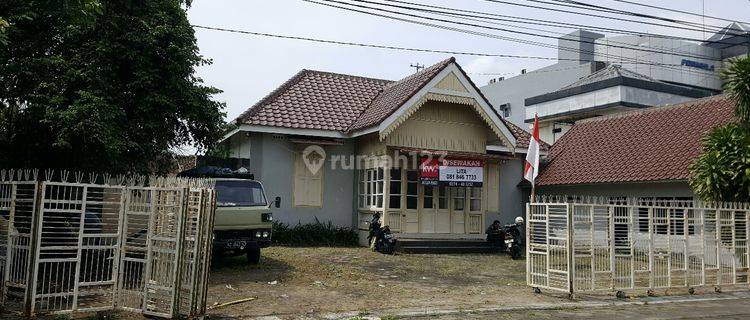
(78, 247)
(609, 244)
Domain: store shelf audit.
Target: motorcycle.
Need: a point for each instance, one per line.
(508, 238)
(380, 238)
(515, 243)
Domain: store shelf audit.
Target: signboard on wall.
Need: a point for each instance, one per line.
(699, 65)
(452, 172)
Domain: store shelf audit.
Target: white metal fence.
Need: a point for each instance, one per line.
(111, 243)
(584, 245)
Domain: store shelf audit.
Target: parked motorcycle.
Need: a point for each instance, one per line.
(515, 243)
(508, 238)
(380, 238)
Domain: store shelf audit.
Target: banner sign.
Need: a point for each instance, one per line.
(452, 172)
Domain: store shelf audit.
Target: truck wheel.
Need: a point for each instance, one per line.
(253, 255)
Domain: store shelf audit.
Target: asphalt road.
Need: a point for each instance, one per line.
(716, 309)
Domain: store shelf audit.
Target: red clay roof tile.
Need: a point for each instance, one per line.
(337, 102)
(315, 100)
(656, 144)
(395, 94)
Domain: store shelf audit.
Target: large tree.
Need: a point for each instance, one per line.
(100, 85)
(722, 172)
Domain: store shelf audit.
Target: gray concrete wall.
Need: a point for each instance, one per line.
(613, 49)
(577, 46)
(545, 80)
(274, 159)
(511, 196)
(656, 189)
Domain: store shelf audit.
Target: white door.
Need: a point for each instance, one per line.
(442, 210)
(427, 209)
(411, 211)
(458, 209)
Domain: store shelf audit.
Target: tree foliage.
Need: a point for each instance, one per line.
(100, 85)
(737, 85)
(722, 172)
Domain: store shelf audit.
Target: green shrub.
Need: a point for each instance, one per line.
(314, 234)
(722, 172)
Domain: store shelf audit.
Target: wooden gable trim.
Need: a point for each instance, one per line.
(420, 98)
(431, 96)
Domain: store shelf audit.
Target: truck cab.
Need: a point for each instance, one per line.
(243, 220)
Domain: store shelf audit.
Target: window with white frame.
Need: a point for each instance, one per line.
(443, 197)
(396, 190)
(475, 199)
(371, 188)
(459, 198)
(412, 187)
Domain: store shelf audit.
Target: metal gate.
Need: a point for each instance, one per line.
(584, 245)
(111, 244)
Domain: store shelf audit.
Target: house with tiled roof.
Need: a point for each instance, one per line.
(644, 153)
(428, 153)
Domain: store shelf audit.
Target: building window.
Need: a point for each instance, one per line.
(459, 199)
(412, 184)
(443, 198)
(307, 186)
(427, 202)
(396, 190)
(505, 110)
(371, 188)
(475, 199)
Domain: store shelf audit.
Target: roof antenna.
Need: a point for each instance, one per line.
(417, 66)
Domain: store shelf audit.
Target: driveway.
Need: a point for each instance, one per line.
(290, 282)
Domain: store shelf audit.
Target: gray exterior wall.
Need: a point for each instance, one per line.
(512, 200)
(577, 46)
(271, 158)
(654, 189)
(548, 79)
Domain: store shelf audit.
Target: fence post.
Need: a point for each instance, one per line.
(611, 245)
(179, 254)
(571, 252)
(149, 246)
(34, 238)
(81, 227)
(528, 243)
(702, 240)
(209, 252)
(651, 248)
(122, 231)
(8, 243)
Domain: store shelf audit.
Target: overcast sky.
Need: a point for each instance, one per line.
(248, 67)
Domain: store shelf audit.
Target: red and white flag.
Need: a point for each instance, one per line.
(531, 169)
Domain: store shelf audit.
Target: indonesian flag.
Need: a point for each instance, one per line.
(531, 170)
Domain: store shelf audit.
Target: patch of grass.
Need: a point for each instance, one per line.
(314, 234)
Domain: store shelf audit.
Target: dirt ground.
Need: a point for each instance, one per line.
(291, 282)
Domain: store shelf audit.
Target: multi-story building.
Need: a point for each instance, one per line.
(597, 75)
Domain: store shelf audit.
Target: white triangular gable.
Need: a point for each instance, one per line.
(443, 87)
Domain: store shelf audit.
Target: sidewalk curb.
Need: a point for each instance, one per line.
(537, 307)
